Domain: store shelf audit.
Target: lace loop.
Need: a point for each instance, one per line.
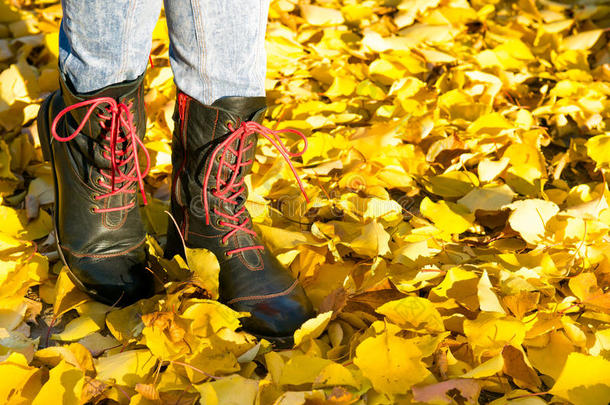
(230, 189)
(118, 130)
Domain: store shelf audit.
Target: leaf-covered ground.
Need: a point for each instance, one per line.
(456, 244)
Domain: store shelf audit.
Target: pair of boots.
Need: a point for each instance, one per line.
(92, 142)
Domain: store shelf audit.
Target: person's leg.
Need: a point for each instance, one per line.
(218, 57)
(217, 47)
(91, 131)
(105, 42)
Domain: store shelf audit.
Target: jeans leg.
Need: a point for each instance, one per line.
(217, 47)
(105, 42)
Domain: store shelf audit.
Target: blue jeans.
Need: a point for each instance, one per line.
(217, 47)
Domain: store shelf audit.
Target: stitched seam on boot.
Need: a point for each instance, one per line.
(121, 253)
(265, 297)
(242, 259)
(123, 216)
(184, 149)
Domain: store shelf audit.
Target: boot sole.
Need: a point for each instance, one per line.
(44, 136)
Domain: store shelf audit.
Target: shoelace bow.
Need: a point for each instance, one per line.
(120, 120)
(229, 190)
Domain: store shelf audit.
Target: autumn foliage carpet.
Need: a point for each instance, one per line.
(456, 245)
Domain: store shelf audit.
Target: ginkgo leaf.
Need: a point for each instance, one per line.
(205, 268)
(127, 368)
(529, 218)
(393, 364)
(77, 329)
(489, 198)
(583, 40)
(584, 380)
(316, 15)
(67, 295)
(312, 328)
(447, 216)
(65, 384)
(16, 377)
(413, 312)
(453, 238)
(223, 391)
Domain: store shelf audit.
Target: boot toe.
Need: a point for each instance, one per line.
(276, 317)
(118, 281)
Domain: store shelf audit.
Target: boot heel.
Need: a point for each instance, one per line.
(42, 122)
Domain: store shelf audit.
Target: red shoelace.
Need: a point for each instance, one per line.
(117, 128)
(229, 190)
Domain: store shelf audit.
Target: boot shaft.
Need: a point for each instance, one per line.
(203, 153)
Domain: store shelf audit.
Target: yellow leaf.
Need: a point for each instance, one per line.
(367, 88)
(51, 41)
(488, 170)
(447, 216)
(490, 332)
(529, 218)
(385, 71)
(488, 300)
(583, 40)
(551, 358)
(209, 360)
(8, 13)
(333, 375)
(460, 285)
(598, 148)
(584, 380)
(453, 184)
(67, 296)
(224, 391)
(64, 386)
(126, 324)
(77, 329)
(373, 240)
(486, 369)
(302, 369)
(16, 377)
(164, 334)
(128, 368)
(15, 223)
(5, 162)
(208, 317)
(488, 198)
(316, 15)
(343, 85)
(312, 328)
(205, 268)
(490, 124)
(413, 313)
(52, 356)
(393, 364)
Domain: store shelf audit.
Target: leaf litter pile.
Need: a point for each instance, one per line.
(456, 244)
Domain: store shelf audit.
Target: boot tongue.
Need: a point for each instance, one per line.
(242, 108)
(89, 142)
(122, 92)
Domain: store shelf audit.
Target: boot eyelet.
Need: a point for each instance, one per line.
(218, 157)
(218, 222)
(230, 123)
(92, 209)
(222, 243)
(227, 254)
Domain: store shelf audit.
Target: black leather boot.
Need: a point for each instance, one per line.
(212, 150)
(92, 142)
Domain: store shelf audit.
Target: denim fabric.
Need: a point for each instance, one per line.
(217, 47)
